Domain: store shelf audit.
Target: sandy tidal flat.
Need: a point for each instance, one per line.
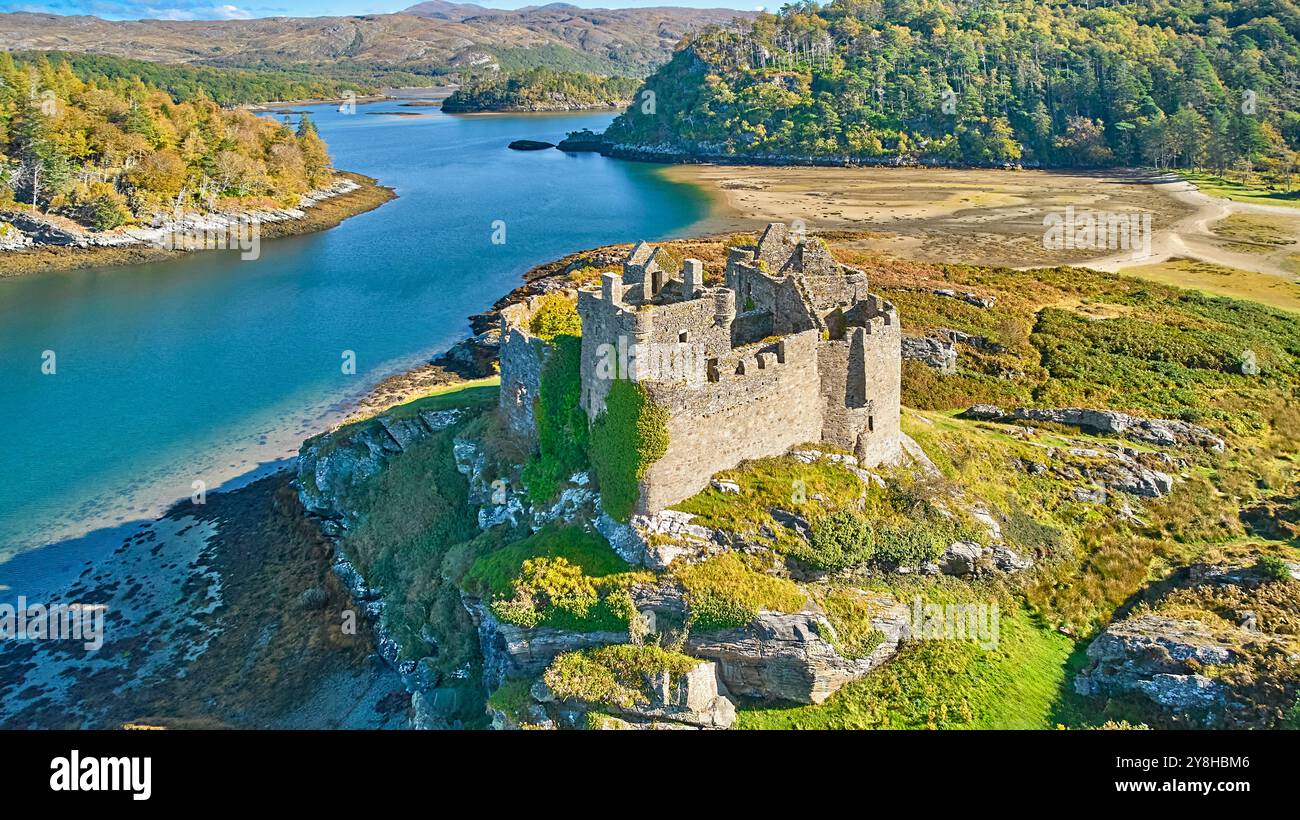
(996, 218)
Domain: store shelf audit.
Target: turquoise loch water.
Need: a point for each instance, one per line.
(208, 368)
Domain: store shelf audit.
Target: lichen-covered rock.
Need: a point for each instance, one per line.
(1008, 560)
(961, 558)
(1165, 432)
(1159, 658)
(791, 657)
(511, 651)
(939, 354)
(656, 541)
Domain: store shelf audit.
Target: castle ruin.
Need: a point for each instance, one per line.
(790, 349)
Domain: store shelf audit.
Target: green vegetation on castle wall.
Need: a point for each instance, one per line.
(556, 315)
(629, 436)
(561, 422)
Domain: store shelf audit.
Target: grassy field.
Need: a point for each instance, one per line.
(1257, 193)
(1221, 281)
(1022, 683)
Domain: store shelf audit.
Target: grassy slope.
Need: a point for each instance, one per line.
(1218, 280)
(1240, 191)
(944, 685)
(1067, 337)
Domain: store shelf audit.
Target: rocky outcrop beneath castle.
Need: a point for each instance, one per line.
(655, 541)
(511, 651)
(332, 468)
(503, 501)
(792, 657)
(939, 354)
(690, 700)
(780, 656)
(333, 465)
(1163, 432)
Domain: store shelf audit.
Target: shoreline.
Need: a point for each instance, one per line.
(322, 215)
(995, 217)
(520, 110)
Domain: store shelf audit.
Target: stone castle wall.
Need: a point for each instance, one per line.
(521, 355)
(860, 386)
(768, 362)
(772, 406)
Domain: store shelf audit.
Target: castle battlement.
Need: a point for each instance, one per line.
(792, 348)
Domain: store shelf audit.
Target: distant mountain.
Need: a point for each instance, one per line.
(428, 39)
(439, 10)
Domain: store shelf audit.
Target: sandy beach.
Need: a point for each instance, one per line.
(995, 217)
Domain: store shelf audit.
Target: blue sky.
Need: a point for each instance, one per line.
(241, 9)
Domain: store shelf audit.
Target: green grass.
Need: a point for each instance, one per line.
(562, 577)
(476, 394)
(1242, 192)
(726, 591)
(850, 612)
(808, 490)
(1020, 684)
(494, 574)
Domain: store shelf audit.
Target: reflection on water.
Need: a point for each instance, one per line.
(201, 368)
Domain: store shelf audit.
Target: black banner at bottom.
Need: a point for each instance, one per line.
(139, 769)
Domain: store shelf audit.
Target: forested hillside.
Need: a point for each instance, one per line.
(109, 152)
(223, 86)
(540, 90)
(1167, 83)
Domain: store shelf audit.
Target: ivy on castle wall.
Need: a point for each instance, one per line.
(626, 439)
(561, 421)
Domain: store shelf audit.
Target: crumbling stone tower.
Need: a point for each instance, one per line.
(791, 349)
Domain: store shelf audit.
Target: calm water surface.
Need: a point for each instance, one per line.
(208, 367)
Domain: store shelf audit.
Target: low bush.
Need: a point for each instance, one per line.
(616, 675)
(556, 315)
(840, 539)
(725, 592)
(563, 577)
(1273, 568)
